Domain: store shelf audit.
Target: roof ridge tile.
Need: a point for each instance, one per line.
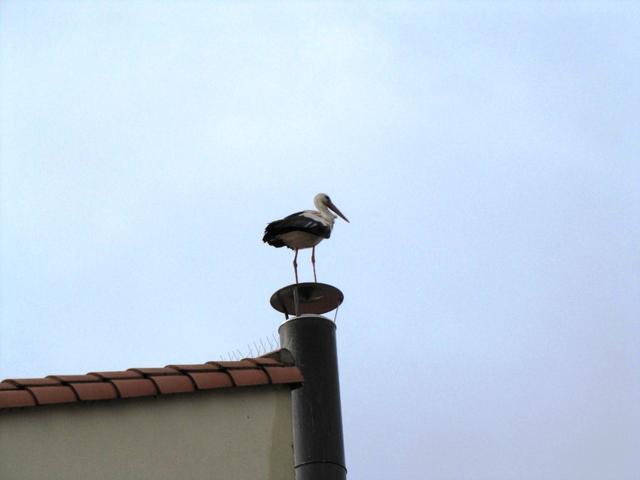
(232, 364)
(135, 387)
(33, 382)
(179, 383)
(196, 367)
(154, 371)
(119, 375)
(89, 391)
(17, 398)
(53, 394)
(273, 368)
(263, 361)
(211, 380)
(282, 355)
(66, 379)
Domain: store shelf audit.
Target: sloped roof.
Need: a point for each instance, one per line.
(270, 369)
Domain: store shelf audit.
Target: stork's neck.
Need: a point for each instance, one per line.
(325, 212)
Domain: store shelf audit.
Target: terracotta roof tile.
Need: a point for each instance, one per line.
(207, 380)
(94, 391)
(273, 368)
(47, 395)
(16, 398)
(262, 361)
(33, 382)
(196, 367)
(234, 364)
(117, 375)
(138, 387)
(283, 356)
(173, 383)
(246, 377)
(284, 374)
(75, 378)
(154, 371)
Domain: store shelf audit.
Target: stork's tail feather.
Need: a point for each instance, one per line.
(271, 237)
(274, 242)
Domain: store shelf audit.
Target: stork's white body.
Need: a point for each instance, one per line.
(300, 239)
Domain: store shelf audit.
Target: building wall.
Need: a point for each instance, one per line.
(229, 434)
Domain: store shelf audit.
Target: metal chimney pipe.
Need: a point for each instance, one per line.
(318, 445)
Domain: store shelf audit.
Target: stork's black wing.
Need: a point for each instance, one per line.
(296, 222)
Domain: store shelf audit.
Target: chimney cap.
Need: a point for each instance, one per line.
(306, 298)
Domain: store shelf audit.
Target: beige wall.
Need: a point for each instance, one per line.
(230, 434)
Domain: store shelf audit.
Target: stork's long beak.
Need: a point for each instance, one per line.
(338, 212)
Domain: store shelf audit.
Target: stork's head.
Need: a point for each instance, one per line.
(324, 203)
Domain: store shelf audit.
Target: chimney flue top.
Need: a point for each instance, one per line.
(306, 298)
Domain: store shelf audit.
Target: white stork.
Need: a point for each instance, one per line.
(304, 229)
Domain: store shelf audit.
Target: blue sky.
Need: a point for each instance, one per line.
(485, 153)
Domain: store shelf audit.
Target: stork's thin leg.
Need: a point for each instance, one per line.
(295, 265)
(313, 262)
